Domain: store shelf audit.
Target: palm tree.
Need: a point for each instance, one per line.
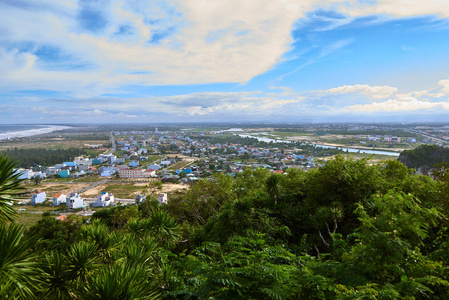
(18, 269)
(9, 185)
(55, 278)
(164, 228)
(82, 259)
(273, 186)
(120, 281)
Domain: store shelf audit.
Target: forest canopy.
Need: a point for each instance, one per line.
(25, 158)
(347, 230)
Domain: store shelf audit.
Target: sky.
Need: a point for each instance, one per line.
(150, 61)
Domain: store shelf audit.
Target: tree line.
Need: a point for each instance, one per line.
(26, 158)
(347, 230)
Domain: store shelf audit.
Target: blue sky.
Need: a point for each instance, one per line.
(193, 60)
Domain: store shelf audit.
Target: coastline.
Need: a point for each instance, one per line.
(32, 132)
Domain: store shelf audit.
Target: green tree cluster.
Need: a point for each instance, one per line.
(347, 230)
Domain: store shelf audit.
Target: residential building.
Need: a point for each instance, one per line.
(103, 200)
(133, 164)
(74, 201)
(162, 198)
(38, 198)
(136, 173)
(59, 199)
(64, 173)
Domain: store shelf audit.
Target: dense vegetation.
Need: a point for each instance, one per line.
(25, 158)
(424, 157)
(348, 230)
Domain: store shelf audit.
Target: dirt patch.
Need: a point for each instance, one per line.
(52, 189)
(171, 187)
(93, 192)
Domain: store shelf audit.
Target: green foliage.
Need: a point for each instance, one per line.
(347, 230)
(425, 156)
(17, 263)
(46, 157)
(53, 234)
(9, 185)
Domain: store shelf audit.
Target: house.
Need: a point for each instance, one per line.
(59, 199)
(83, 167)
(25, 174)
(64, 173)
(38, 197)
(70, 165)
(162, 198)
(154, 167)
(103, 200)
(140, 199)
(106, 171)
(133, 163)
(142, 151)
(74, 201)
(96, 161)
(62, 218)
(165, 162)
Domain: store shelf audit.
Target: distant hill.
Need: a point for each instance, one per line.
(424, 157)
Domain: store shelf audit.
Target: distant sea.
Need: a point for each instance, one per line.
(15, 131)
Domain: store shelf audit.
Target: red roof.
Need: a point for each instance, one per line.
(62, 218)
(58, 195)
(278, 171)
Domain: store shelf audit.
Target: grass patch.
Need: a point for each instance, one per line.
(123, 190)
(88, 179)
(28, 220)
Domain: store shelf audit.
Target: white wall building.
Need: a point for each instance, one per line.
(39, 197)
(59, 199)
(74, 201)
(136, 173)
(103, 200)
(162, 198)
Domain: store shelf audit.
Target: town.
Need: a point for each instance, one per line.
(179, 158)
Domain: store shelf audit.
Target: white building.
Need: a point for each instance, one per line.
(39, 197)
(140, 199)
(59, 199)
(136, 173)
(74, 201)
(103, 200)
(25, 173)
(134, 163)
(162, 198)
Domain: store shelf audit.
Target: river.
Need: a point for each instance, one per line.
(351, 150)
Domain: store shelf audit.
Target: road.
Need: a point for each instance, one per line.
(93, 185)
(443, 142)
(114, 147)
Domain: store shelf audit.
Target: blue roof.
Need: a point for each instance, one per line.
(70, 164)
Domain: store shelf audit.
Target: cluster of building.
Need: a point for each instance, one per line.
(74, 200)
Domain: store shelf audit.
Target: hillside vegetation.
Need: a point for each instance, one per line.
(347, 230)
(424, 156)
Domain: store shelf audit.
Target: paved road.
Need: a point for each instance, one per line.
(114, 146)
(428, 136)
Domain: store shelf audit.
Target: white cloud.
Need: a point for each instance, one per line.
(397, 8)
(206, 41)
(375, 92)
(395, 105)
